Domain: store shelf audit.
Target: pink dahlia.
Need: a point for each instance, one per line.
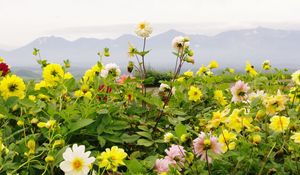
(162, 165)
(176, 152)
(204, 143)
(239, 91)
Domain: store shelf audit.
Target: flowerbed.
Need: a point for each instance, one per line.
(105, 123)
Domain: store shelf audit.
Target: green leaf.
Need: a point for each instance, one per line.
(150, 161)
(27, 103)
(145, 142)
(149, 81)
(102, 141)
(113, 138)
(134, 166)
(180, 129)
(145, 134)
(119, 125)
(129, 138)
(80, 124)
(11, 101)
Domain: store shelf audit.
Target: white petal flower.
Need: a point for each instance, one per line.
(179, 43)
(76, 161)
(110, 69)
(143, 29)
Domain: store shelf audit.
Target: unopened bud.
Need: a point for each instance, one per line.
(190, 60)
(106, 52)
(20, 123)
(130, 66)
(49, 159)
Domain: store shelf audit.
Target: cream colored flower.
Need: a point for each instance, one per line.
(143, 29)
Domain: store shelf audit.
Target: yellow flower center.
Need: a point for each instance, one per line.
(207, 143)
(142, 26)
(77, 164)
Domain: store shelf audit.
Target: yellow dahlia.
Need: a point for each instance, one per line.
(12, 85)
(112, 158)
(279, 123)
(52, 73)
(194, 94)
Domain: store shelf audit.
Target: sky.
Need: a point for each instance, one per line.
(22, 21)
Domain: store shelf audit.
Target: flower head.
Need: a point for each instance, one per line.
(194, 94)
(213, 64)
(176, 152)
(12, 85)
(202, 70)
(112, 158)
(179, 43)
(296, 137)
(218, 96)
(279, 123)
(84, 91)
(110, 69)
(76, 160)
(239, 91)
(250, 69)
(4, 69)
(266, 65)
(168, 137)
(296, 77)
(206, 142)
(227, 139)
(237, 121)
(52, 73)
(218, 117)
(257, 95)
(143, 29)
(162, 165)
(275, 103)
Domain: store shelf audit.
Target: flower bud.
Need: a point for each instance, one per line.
(41, 124)
(168, 137)
(31, 146)
(191, 53)
(130, 66)
(260, 114)
(190, 60)
(184, 137)
(49, 159)
(186, 39)
(34, 121)
(50, 124)
(20, 123)
(256, 139)
(106, 52)
(58, 143)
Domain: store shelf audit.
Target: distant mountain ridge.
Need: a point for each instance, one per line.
(230, 49)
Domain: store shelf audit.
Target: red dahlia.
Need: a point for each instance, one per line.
(4, 69)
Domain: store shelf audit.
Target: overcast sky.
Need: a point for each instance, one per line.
(21, 21)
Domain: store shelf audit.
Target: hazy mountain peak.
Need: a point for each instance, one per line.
(172, 32)
(230, 48)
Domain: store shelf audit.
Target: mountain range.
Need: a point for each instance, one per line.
(230, 49)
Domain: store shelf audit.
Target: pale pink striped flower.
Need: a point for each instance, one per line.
(162, 165)
(204, 143)
(239, 91)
